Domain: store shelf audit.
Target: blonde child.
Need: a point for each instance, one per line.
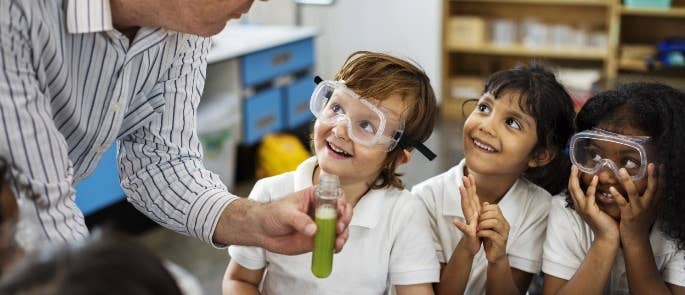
(489, 237)
(368, 119)
(626, 234)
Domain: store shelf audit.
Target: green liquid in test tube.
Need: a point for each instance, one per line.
(327, 193)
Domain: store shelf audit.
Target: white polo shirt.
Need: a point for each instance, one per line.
(525, 207)
(569, 239)
(389, 244)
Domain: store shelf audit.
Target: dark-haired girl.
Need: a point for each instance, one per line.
(489, 238)
(620, 229)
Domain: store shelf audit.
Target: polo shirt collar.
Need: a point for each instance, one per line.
(368, 210)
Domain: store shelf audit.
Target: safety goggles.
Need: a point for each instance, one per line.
(592, 150)
(366, 123)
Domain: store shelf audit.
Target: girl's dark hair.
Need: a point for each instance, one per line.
(545, 99)
(106, 263)
(658, 110)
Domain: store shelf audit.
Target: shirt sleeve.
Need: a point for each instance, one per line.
(253, 258)
(427, 197)
(674, 270)
(525, 252)
(412, 259)
(30, 141)
(562, 251)
(160, 163)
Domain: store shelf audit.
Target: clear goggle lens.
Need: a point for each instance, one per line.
(367, 124)
(592, 152)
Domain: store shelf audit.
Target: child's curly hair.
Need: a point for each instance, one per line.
(658, 110)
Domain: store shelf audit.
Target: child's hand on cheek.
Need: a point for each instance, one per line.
(493, 228)
(470, 206)
(638, 212)
(603, 225)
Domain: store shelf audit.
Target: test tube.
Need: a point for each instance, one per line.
(327, 193)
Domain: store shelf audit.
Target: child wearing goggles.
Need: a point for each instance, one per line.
(489, 237)
(368, 118)
(619, 228)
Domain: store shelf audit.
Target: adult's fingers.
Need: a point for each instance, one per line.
(344, 214)
(301, 222)
(341, 239)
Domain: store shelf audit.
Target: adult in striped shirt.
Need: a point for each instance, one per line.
(77, 76)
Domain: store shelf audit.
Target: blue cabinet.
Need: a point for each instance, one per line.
(262, 66)
(102, 188)
(262, 114)
(276, 105)
(297, 96)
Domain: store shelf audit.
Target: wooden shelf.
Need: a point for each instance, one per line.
(520, 50)
(670, 12)
(547, 2)
(632, 65)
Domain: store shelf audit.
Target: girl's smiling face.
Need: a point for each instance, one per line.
(607, 178)
(499, 137)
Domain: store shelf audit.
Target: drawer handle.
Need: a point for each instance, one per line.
(281, 59)
(302, 107)
(266, 122)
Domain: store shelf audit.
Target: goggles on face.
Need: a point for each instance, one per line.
(367, 123)
(591, 150)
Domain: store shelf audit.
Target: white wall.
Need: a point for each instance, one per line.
(406, 28)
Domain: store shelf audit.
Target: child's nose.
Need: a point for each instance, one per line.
(607, 176)
(487, 128)
(340, 130)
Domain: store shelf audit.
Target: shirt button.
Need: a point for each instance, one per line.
(99, 149)
(116, 106)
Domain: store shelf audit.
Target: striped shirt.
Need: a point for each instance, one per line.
(71, 86)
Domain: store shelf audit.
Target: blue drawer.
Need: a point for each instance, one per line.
(262, 115)
(102, 188)
(267, 64)
(296, 98)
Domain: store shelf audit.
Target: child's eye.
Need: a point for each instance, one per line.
(336, 108)
(513, 123)
(367, 127)
(483, 108)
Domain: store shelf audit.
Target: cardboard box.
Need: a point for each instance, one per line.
(466, 31)
(461, 89)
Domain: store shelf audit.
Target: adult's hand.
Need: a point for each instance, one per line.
(287, 226)
(283, 226)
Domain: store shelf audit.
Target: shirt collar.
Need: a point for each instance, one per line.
(510, 204)
(88, 16)
(367, 212)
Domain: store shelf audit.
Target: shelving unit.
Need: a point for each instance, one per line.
(520, 50)
(466, 63)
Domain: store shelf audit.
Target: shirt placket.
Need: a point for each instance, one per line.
(120, 97)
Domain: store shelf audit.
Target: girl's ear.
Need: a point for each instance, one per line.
(541, 157)
(406, 157)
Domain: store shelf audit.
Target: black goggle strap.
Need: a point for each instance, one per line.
(405, 142)
(318, 80)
